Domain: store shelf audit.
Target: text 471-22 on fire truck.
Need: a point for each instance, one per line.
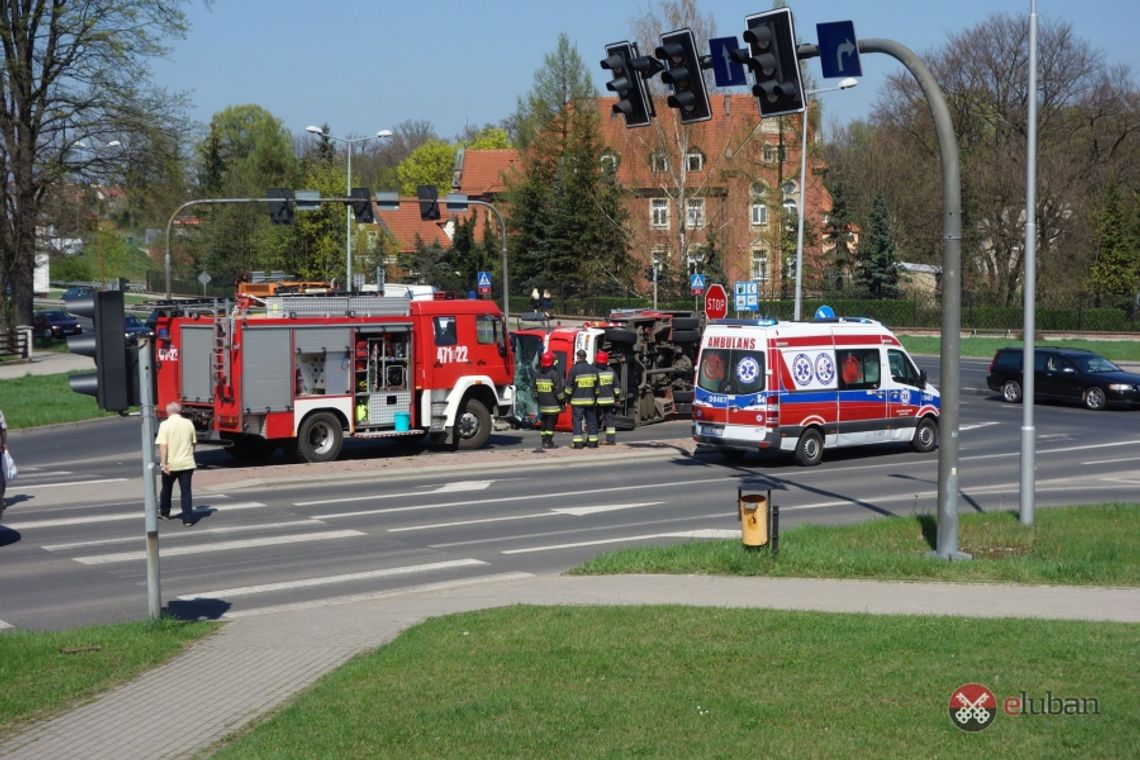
(306, 371)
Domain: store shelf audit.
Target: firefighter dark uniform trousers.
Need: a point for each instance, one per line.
(583, 402)
(551, 393)
(606, 395)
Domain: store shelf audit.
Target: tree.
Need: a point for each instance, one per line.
(878, 267)
(838, 235)
(488, 138)
(430, 164)
(71, 72)
(1115, 274)
(562, 79)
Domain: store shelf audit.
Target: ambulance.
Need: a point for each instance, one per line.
(803, 387)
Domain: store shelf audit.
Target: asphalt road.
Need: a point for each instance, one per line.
(388, 518)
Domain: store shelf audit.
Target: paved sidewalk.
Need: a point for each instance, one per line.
(46, 363)
(257, 663)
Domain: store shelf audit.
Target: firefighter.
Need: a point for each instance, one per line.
(607, 396)
(583, 402)
(551, 393)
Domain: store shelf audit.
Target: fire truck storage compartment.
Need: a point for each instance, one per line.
(321, 364)
(383, 374)
(194, 364)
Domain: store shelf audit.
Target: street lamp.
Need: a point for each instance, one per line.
(844, 84)
(349, 142)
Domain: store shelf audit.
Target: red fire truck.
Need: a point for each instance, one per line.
(305, 371)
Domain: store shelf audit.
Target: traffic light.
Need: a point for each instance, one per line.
(771, 56)
(280, 212)
(633, 101)
(429, 202)
(678, 51)
(112, 385)
(362, 208)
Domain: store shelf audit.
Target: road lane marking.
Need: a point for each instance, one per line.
(575, 511)
(978, 425)
(4, 626)
(134, 515)
(390, 572)
(175, 535)
(505, 499)
(221, 546)
(703, 533)
(74, 483)
(583, 511)
(456, 487)
(375, 595)
(1112, 461)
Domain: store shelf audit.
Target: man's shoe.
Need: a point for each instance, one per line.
(592, 444)
(163, 515)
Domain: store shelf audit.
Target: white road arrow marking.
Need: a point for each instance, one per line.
(582, 511)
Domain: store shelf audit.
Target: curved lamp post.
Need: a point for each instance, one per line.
(349, 143)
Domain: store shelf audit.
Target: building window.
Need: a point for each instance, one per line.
(694, 161)
(789, 187)
(790, 207)
(760, 265)
(769, 153)
(659, 162)
(609, 162)
(694, 213)
(659, 212)
(759, 206)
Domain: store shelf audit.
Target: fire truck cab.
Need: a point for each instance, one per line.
(802, 387)
(306, 371)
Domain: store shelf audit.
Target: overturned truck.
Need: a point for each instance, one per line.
(652, 352)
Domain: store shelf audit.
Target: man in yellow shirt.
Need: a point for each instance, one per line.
(176, 441)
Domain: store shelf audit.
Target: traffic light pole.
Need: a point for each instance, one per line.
(506, 277)
(947, 536)
(150, 500)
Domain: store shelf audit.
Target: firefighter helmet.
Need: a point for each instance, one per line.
(601, 357)
(546, 360)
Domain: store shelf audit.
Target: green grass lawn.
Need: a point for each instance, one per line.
(35, 400)
(679, 682)
(44, 672)
(1116, 350)
(1080, 545)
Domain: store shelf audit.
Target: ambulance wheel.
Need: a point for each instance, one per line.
(925, 435)
(473, 427)
(319, 438)
(1011, 391)
(809, 449)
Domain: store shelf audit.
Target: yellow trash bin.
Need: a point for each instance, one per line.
(753, 508)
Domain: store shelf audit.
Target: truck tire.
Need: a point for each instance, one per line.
(621, 336)
(251, 448)
(682, 397)
(686, 323)
(925, 435)
(473, 427)
(809, 449)
(686, 336)
(320, 438)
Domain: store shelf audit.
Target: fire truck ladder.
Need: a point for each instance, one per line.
(220, 360)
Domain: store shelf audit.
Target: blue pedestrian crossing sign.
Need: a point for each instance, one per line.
(838, 50)
(484, 280)
(696, 284)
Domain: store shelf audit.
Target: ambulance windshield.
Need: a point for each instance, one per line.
(731, 371)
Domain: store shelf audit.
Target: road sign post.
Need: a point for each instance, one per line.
(716, 302)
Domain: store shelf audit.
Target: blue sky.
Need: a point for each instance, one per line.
(361, 67)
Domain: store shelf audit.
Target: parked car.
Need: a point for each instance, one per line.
(55, 324)
(134, 328)
(77, 291)
(1065, 374)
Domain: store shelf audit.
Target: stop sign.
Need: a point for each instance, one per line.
(716, 302)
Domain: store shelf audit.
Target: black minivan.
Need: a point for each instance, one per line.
(1065, 374)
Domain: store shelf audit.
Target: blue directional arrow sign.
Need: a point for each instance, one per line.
(727, 72)
(838, 50)
(484, 279)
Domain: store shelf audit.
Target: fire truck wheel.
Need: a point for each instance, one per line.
(925, 435)
(621, 335)
(473, 427)
(686, 336)
(319, 438)
(809, 449)
(686, 323)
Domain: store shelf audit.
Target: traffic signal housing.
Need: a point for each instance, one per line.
(362, 206)
(771, 56)
(114, 387)
(633, 101)
(280, 211)
(678, 51)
